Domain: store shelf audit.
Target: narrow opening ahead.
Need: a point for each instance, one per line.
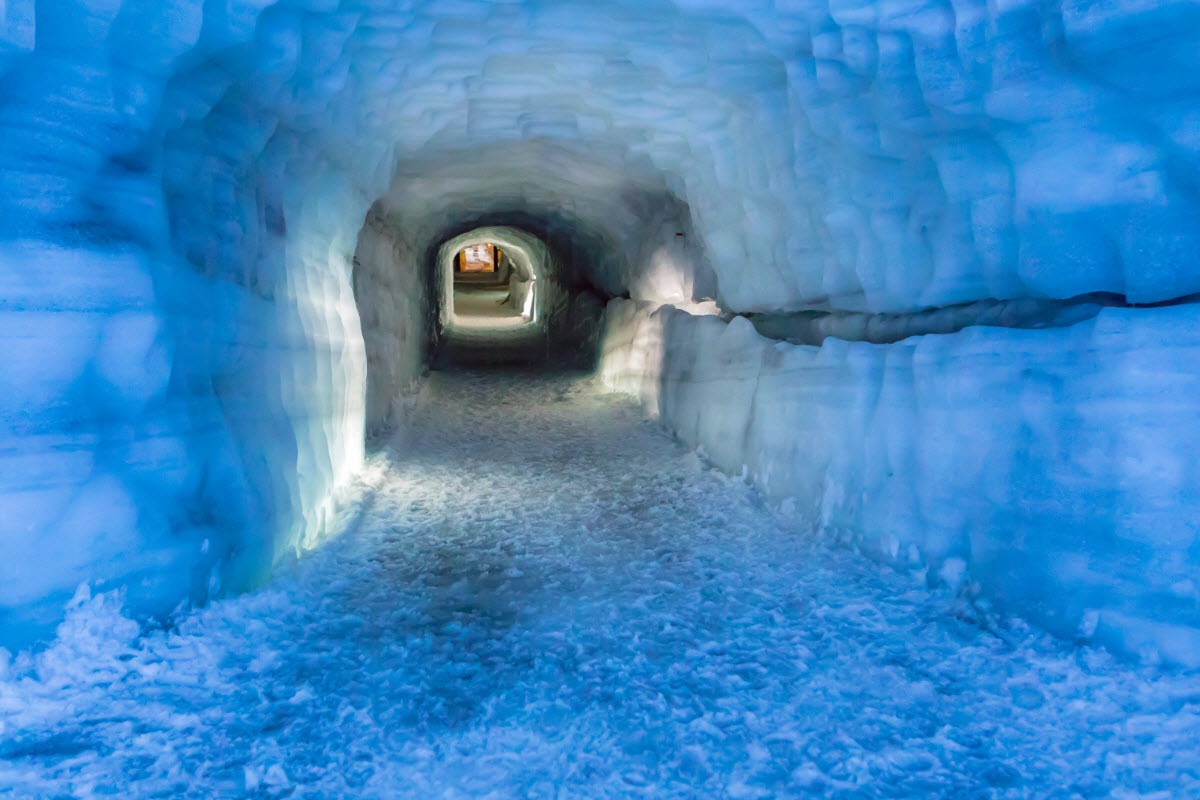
(490, 284)
(489, 292)
(502, 301)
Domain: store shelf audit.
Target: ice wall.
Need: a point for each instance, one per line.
(186, 379)
(1051, 473)
(390, 288)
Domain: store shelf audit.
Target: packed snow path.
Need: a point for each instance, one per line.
(545, 596)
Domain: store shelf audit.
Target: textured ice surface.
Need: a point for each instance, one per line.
(393, 308)
(548, 597)
(184, 380)
(1058, 466)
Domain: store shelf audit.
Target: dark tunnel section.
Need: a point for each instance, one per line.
(593, 233)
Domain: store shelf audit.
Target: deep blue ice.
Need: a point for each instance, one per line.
(546, 596)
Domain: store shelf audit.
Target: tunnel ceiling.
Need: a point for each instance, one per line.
(874, 156)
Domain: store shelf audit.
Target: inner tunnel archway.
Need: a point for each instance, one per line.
(529, 301)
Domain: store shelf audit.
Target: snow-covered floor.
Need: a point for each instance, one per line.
(546, 596)
(485, 308)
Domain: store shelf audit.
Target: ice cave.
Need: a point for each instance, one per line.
(600, 398)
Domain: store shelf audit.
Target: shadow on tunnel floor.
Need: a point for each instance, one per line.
(535, 357)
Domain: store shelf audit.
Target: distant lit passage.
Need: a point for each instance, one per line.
(484, 257)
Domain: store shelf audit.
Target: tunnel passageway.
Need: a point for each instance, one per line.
(486, 307)
(488, 291)
(570, 603)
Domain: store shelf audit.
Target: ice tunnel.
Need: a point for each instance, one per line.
(923, 272)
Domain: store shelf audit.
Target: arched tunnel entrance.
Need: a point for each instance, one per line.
(529, 316)
(490, 287)
(598, 399)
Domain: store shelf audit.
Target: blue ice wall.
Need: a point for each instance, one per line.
(1045, 473)
(184, 184)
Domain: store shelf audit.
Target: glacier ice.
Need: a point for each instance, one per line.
(1053, 463)
(218, 220)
